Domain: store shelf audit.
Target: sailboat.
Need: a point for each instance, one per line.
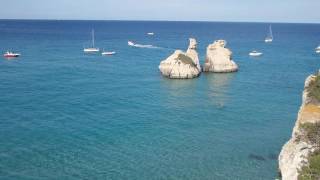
(269, 38)
(92, 49)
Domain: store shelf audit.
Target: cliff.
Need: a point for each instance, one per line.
(300, 157)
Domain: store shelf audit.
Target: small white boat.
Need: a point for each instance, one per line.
(269, 38)
(10, 54)
(317, 49)
(130, 43)
(92, 49)
(255, 53)
(150, 33)
(108, 53)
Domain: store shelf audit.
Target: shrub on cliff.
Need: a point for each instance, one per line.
(311, 133)
(312, 170)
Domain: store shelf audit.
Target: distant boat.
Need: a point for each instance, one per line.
(92, 49)
(10, 54)
(255, 53)
(108, 53)
(318, 50)
(269, 38)
(150, 33)
(131, 43)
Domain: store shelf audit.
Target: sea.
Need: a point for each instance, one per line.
(65, 114)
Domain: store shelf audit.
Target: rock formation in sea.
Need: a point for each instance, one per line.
(300, 156)
(181, 65)
(192, 52)
(219, 58)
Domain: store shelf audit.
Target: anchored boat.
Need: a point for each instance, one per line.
(108, 53)
(92, 49)
(269, 38)
(255, 53)
(318, 50)
(10, 54)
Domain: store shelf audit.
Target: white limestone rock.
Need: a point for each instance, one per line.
(219, 58)
(192, 52)
(182, 65)
(294, 154)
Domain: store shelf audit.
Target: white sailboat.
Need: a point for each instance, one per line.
(92, 49)
(269, 38)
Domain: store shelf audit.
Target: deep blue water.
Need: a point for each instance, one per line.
(67, 115)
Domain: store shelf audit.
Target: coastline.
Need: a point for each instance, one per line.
(296, 154)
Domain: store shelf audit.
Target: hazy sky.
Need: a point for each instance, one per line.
(187, 10)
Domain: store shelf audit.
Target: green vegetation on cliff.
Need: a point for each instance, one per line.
(312, 170)
(311, 133)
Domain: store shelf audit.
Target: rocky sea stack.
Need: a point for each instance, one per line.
(181, 65)
(219, 58)
(300, 156)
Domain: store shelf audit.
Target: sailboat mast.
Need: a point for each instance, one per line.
(92, 38)
(271, 35)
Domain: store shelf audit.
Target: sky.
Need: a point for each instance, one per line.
(305, 11)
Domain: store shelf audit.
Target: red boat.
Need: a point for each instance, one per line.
(9, 54)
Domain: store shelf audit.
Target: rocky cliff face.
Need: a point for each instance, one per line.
(219, 58)
(296, 152)
(181, 65)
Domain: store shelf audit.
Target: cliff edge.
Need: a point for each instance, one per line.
(300, 156)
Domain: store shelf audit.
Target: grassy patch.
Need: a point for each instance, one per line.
(312, 170)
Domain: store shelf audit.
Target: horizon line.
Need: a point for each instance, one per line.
(145, 20)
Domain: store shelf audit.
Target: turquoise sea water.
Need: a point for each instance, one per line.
(67, 115)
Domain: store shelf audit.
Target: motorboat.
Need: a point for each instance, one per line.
(131, 43)
(10, 54)
(150, 33)
(108, 53)
(317, 49)
(255, 53)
